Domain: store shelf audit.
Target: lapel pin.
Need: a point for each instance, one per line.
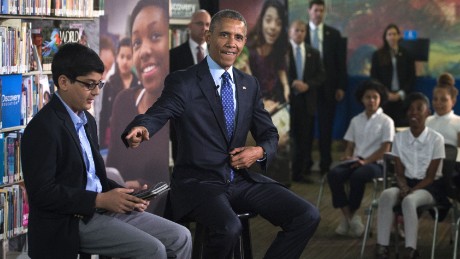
(244, 87)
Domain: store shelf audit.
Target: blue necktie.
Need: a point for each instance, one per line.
(315, 42)
(226, 94)
(227, 103)
(299, 63)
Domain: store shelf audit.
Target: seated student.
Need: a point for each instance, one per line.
(66, 182)
(444, 120)
(418, 152)
(368, 137)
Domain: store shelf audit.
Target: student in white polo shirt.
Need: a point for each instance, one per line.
(368, 137)
(419, 152)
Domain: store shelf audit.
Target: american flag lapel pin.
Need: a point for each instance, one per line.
(244, 87)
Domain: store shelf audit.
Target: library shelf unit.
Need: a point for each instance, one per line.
(12, 208)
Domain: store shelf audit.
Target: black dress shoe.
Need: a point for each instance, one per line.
(411, 253)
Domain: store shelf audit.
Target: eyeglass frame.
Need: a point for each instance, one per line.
(91, 86)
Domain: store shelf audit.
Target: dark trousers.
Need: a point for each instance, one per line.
(302, 134)
(325, 114)
(358, 177)
(297, 218)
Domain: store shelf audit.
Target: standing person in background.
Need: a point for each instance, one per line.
(211, 180)
(330, 45)
(368, 137)
(189, 53)
(123, 78)
(195, 48)
(73, 206)
(149, 163)
(107, 55)
(394, 67)
(306, 75)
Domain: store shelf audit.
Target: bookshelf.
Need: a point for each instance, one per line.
(25, 83)
(178, 30)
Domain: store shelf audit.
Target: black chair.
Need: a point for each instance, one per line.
(242, 250)
(386, 180)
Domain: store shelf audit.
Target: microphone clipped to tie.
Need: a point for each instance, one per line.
(217, 88)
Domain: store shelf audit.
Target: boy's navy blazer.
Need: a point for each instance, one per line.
(202, 166)
(55, 180)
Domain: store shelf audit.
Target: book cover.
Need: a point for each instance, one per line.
(53, 38)
(2, 157)
(25, 208)
(11, 86)
(10, 140)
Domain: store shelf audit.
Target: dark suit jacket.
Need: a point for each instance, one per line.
(313, 75)
(55, 179)
(202, 167)
(405, 65)
(334, 59)
(180, 57)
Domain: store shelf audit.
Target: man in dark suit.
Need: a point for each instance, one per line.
(188, 53)
(215, 106)
(331, 47)
(306, 75)
(73, 206)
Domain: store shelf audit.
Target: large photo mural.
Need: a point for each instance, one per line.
(363, 22)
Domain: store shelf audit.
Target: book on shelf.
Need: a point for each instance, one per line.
(11, 86)
(184, 8)
(178, 36)
(53, 38)
(14, 211)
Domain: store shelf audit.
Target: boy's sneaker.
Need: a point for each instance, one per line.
(343, 228)
(356, 226)
(381, 252)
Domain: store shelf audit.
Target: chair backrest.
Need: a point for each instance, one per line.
(448, 170)
(388, 169)
(451, 152)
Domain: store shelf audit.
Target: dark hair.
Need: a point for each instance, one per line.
(256, 37)
(371, 84)
(145, 3)
(106, 43)
(226, 13)
(384, 36)
(317, 2)
(73, 60)
(384, 51)
(447, 81)
(416, 96)
(125, 42)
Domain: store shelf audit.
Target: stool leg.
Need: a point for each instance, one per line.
(246, 239)
(197, 250)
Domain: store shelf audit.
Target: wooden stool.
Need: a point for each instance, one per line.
(242, 250)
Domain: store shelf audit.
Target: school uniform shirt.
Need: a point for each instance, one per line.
(417, 153)
(447, 125)
(368, 134)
